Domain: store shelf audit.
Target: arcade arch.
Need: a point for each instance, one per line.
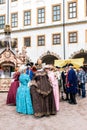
(80, 54)
(49, 57)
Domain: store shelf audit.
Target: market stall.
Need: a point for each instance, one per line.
(76, 62)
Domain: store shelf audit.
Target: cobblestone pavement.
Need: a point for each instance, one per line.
(70, 117)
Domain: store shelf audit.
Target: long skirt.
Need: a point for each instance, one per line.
(56, 95)
(11, 96)
(42, 105)
(23, 100)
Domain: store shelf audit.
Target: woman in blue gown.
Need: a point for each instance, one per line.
(23, 97)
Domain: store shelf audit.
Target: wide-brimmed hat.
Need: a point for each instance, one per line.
(81, 67)
(70, 64)
(58, 67)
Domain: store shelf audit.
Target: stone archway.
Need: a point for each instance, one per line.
(49, 57)
(80, 54)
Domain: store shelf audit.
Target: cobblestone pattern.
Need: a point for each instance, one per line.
(70, 117)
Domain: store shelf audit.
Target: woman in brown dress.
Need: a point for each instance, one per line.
(42, 95)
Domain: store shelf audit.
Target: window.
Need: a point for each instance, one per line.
(14, 43)
(27, 18)
(27, 42)
(2, 22)
(73, 37)
(41, 40)
(56, 13)
(2, 1)
(56, 39)
(72, 10)
(41, 15)
(14, 20)
(3, 44)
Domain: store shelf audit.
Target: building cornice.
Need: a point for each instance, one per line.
(48, 26)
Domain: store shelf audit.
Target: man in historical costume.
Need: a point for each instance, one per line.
(42, 95)
(82, 81)
(72, 84)
(63, 81)
(29, 72)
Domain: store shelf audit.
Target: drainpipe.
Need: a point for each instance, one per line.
(7, 12)
(64, 56)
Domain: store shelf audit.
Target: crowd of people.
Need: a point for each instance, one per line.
(37, 90)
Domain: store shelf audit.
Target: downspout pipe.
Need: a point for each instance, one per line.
(7, 13)
(64, 54)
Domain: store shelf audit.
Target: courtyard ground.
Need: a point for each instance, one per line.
(70, 117)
